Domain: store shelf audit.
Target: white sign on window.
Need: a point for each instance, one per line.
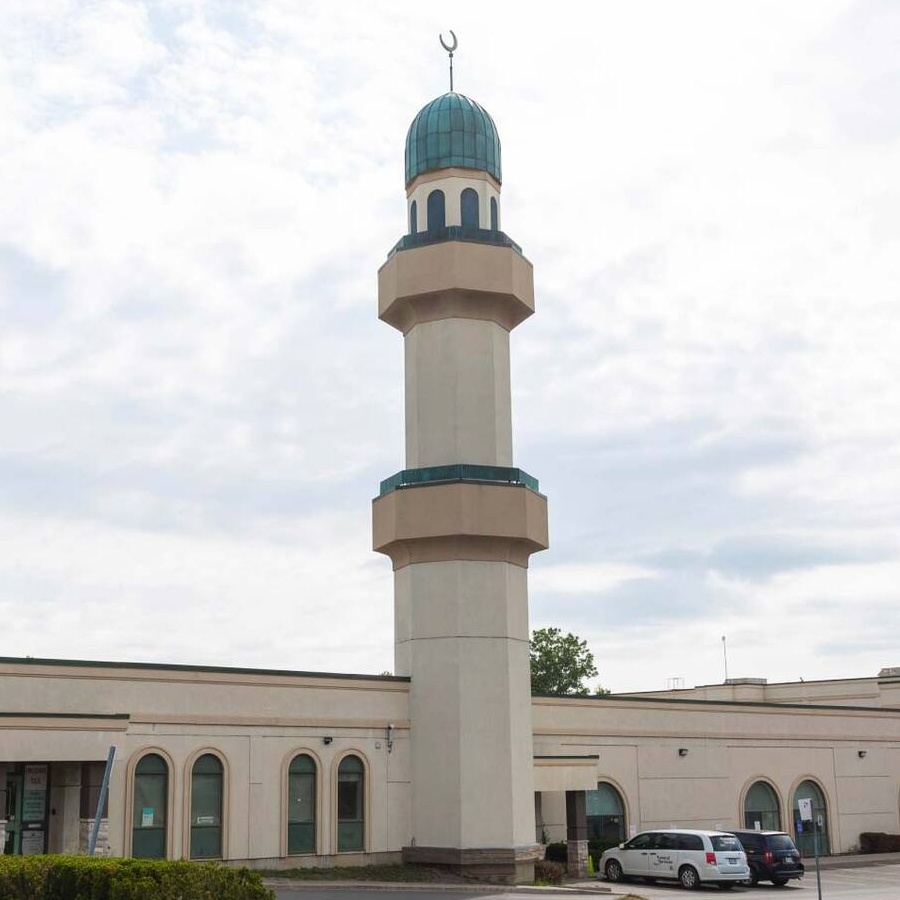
(35, 778)
(805, 805)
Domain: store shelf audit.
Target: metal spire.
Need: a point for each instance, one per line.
(450, 50)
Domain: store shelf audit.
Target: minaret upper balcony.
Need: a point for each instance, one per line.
(453, 178)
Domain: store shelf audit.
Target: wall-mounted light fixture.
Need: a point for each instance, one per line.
(861, 753)
(327, 739)
(682, 751)
(390, 737)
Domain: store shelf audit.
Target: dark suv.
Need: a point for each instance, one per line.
(771, 856)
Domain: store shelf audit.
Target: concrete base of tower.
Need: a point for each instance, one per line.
(500, 865)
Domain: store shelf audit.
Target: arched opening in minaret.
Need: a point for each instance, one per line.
(413, 218)
(436, 211)
(495, 224)
(468, 208)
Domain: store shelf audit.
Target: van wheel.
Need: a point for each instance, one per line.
(613, 871)
(689, 878)
(779, 882)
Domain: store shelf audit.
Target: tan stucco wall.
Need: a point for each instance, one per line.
(61, 714)
(458, 407)
(254, 722)
(730, 746)
(455, 279)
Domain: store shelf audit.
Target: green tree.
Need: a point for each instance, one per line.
(560, 663)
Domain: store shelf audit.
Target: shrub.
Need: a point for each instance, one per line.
(547, 872)
(879, 842)
(597, 846)
(557, 852)
(84, 878)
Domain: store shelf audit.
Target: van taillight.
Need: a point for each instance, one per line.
(768, 857)
(710, 859)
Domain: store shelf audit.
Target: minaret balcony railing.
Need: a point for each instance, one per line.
(455, 233)
(459, 472)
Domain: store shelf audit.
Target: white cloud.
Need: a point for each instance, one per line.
(197, 197)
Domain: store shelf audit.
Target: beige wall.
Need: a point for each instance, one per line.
(255, 722)
(65, 715)
(729, 747)
(458, 407)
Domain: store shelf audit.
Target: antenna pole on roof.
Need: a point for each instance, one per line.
(450, 48)
(725, 654)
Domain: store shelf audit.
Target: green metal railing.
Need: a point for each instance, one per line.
(459, 472)
(455, 233)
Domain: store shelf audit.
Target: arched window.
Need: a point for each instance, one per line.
(351, 804)
(148, 819)
(761, 808)
(805, 833)
(605, 815)
(468, 208)
(495, 216)
(301, 805)
(413, 218)
(436, 213)
(206, 808)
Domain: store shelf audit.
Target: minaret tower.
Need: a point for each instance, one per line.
(460, 522)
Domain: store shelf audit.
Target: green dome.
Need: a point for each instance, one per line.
(452, 130)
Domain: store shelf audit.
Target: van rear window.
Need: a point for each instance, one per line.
(781, 842)
(725, 842)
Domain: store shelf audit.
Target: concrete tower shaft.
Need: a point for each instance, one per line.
(460, 522)
(455, 303)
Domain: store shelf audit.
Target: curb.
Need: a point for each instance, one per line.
(288, 884)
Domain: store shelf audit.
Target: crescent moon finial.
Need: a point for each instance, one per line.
(451, 48)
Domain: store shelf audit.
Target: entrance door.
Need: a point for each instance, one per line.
(13, 812)
(807, 834)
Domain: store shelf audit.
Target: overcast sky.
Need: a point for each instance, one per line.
(197, 401)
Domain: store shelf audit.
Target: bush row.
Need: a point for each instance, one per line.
(84, 878)
(879, 842)
(559, 852)
(547, 872)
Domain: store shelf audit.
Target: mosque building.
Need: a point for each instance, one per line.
(451, 761)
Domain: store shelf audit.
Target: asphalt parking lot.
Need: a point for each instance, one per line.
(843, 878)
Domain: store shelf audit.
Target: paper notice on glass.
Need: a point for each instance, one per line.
(147, 817)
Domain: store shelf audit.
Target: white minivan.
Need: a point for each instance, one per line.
(686, 855)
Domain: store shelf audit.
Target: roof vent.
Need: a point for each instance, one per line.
(892, 672)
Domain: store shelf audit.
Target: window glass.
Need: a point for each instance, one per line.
(725, 842)
(468, 208)
(495, 221)
(808, 834)
(148, 821)
(351, 804)
(413, 218)
(640, 842)
(302, 805)
(436, 213)
(605, 810)
(761, 808)
(690, 842)
(206, 808)
(780, 842)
